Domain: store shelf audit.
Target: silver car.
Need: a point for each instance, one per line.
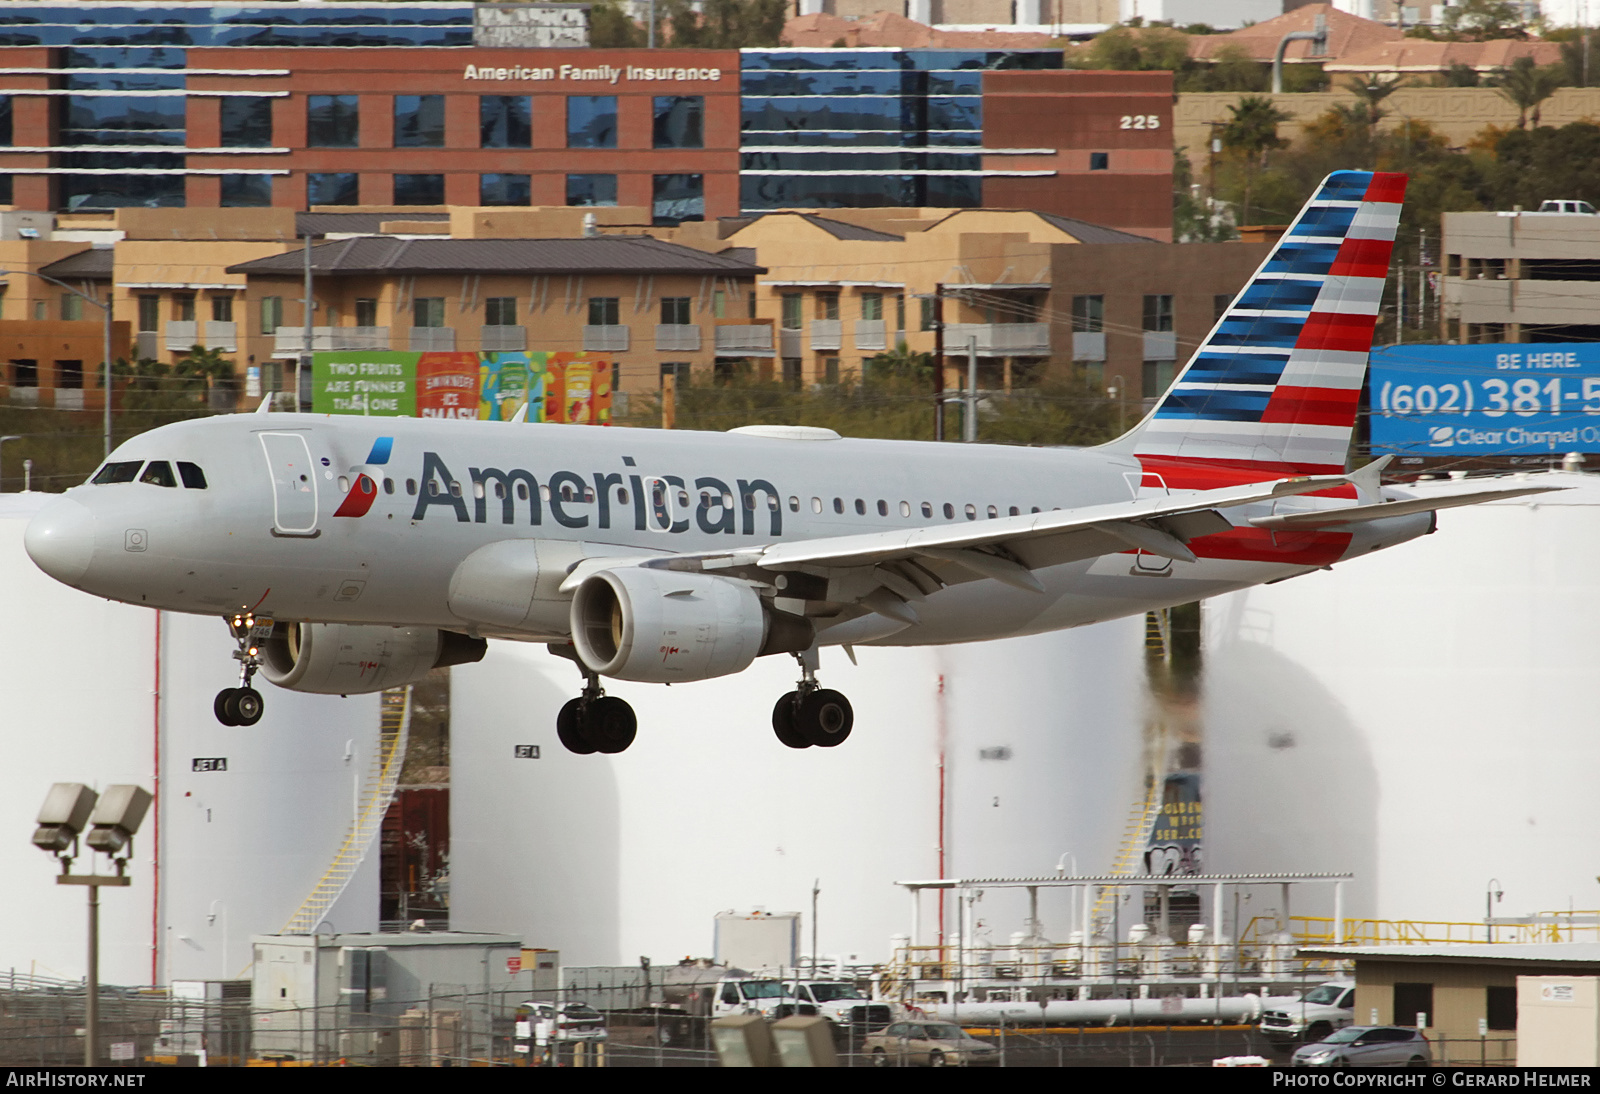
(1368, 1046)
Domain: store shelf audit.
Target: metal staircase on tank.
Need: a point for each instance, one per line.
(1135, 837)
(377, 793)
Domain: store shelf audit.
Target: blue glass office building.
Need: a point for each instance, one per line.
(839, 128)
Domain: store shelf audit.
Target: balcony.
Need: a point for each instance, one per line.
(791, 343)
(287, 342)
(827, 334)
(998, 339)
(432, 340)
(754, 340)
(606, 339)
(1088, 346)
(69, 398)
(502, 339)
(677, 338)
(183, 334)
(872, 335)
(1160, 345)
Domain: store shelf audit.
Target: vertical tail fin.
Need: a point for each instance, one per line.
(1274, 388)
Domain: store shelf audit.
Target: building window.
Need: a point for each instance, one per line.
(332, 188)
(505, 121)
(333, 121)
(793, 310)
(1411, 1002)
(427, 311)
(830, 370)
(591, 121)
(419, 189)
(679, 121)
(603, 311)
(150, 312)
(222, 307)
(24, 372)
(719, 304)
(1500, 1008)
(246, 123)
(1089, 314)
(246, 191)
(675, 311)
(5, 120)
(6, 191)
(500, 311)
(827, 305)
(366, 311)
(271, 314)
(591, 189)
(183, 307)
(872, 306)
(1219, 305)
(793, 376)
(505, 190)
(930, 313)
(900, 311)
(1158, 377)
(1158, 312)
(678, 198)
(69, 374)
(1099, 161)
(678, 370)
(419, 121)
(41, 309)
(71, 306)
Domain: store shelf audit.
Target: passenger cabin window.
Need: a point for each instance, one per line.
(118, 472)
(193, 478)
(158, 473)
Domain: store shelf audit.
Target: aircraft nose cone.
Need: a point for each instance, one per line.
(60, 540)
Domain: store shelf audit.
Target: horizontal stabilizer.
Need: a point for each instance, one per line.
(1327, 518)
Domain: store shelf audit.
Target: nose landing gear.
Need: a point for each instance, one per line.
(243, 706)
(812, 715)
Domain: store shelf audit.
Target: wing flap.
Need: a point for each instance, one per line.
(1328, 518)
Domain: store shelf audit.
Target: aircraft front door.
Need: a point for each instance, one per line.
(294, 484)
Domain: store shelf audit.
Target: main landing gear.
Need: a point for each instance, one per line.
(812, 715)
(595, 721)
(242, 706)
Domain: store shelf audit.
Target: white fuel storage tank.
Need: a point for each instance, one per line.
(1001, 755)
(1424, 717)
(93, 695)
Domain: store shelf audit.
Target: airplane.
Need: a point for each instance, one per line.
(352, 554)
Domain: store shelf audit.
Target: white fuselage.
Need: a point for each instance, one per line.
(253, 540)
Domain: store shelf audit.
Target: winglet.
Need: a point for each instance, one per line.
(519, 415)
(1367, 480)
(266, 403)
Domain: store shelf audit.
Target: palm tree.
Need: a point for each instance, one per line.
(1526, 85)
(209, 364)
(1252, 132)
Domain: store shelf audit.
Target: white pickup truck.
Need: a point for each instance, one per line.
(1311, 1017)
(844, 1004)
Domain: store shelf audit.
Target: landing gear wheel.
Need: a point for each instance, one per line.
(570, 728)
(221, 707)
(783, 723)
(610, 724)
(824, 718)
(246, 706)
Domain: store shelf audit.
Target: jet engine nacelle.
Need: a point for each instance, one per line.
(345, 659)
(664, 626)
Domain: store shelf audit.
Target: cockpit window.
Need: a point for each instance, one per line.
(118, 472)
(193, 477)
(158, 473)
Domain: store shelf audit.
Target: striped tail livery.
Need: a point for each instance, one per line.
(1274, 388)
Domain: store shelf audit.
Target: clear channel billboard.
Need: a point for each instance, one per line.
(1494, 399)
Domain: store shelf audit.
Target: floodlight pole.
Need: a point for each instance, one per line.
(91, 1001)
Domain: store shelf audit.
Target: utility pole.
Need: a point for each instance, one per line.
(303, 364)
(938, 361)
(969, 422)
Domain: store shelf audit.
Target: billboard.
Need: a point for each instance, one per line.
(558, 387)
(1496, 399)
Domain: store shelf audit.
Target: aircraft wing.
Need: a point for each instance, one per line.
(1330, 518)
(883, 570)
